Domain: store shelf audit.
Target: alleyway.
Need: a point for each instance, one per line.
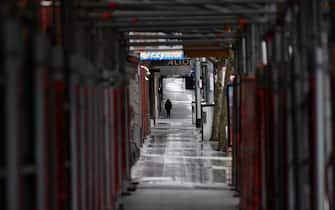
(177, 171)
(167, 105)
(174, 89)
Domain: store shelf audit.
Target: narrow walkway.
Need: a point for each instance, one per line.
(177, 171)
(174, 89)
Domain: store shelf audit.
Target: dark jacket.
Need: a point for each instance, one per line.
(168, 105)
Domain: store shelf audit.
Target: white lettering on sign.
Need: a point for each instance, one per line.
(162, 55)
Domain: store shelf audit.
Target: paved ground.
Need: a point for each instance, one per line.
(181, 199)
(175, 155)
(176, 170)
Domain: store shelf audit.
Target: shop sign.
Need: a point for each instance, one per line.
(162, 55)
(185, 62)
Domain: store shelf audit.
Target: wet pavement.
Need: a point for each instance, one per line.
(176, 170)
(175, 155)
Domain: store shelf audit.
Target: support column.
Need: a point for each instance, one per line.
(197, 92)
(126, 124)
(244, 55)
(210, 83)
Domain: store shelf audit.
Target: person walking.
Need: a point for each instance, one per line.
(168, 107)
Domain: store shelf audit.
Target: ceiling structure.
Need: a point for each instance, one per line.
(199, 27)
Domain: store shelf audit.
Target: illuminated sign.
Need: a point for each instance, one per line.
(161, 55)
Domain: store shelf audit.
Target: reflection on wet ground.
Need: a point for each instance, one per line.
(174, 155)
(177, 171)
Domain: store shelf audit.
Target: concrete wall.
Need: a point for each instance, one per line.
(135, 104)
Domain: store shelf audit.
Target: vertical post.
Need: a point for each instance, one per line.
(12, 47)
(197, 92)
(107, 145)
(66, 22)
(323, 121)
(127, 146)
(204, 73)
(100, 148)
(74, 171)
(90, 145)
(83, 145)
(119, 138)
(264, 53)
(112, 144)
(331, 162)
(96, 146)
(253, 49)
(244, 55)
(39, 122)
(210, 82)
(3, 203)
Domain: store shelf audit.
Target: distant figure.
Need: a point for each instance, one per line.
(168, 107)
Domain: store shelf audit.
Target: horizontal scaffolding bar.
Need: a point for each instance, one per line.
(191, 42)
(118, 4)
(182, 29)
(182, 14)
(176, 24)
(184, 36)
(185, 49)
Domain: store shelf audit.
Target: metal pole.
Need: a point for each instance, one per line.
(119, 140)
(210, 82)
(13, 46)
(216, 42)
(126, 101)
(3, 144)
(83, 144)
(112, 141)
(107, 145)
(95, 146)
(253, 50)
(197, 92)
(181, 48)
(39, 89)
(209, 35)
(229, 16)
(66, 23)
(143, 16)
(74, 152)
(208, 23)
(185, 29)
(91, 146)
(321, 129)
(181, 28)
(144, 4)
(244, 55)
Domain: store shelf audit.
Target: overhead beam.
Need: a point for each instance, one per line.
(184, 36)
(197, 48)
(185, 13)
(182, 23)
(217, 42)
(106, 16)
(124, 4)
(182, 29)
(206, 53)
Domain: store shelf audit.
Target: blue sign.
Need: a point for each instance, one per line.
(162, 55)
